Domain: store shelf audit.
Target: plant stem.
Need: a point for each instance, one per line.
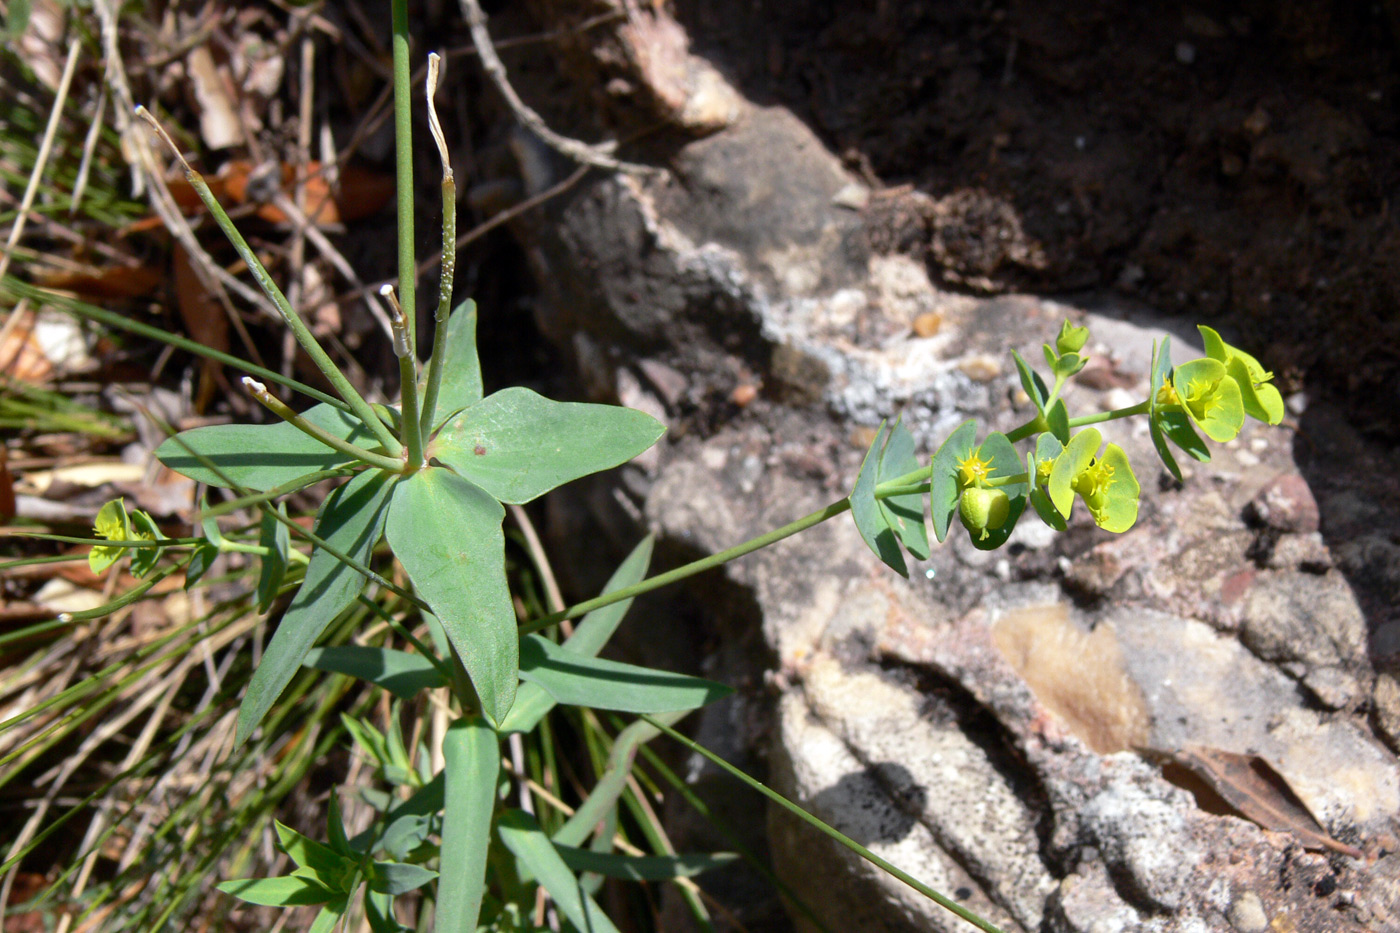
(689, 570)
(403, 165)
(1139, 409)
(293, 320)
(111, 319)
(280, 409)
(830, 832)
(449, 269)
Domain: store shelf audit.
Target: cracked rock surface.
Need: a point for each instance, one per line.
(994, 724)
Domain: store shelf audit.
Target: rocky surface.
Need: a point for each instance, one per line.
(995, 724)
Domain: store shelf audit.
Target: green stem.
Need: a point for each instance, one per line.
(403, 164)
(837, 835)
(1139, 409)
(280, 409)
(110, 319)
(408, 398)
(1035, 426)
(444, 308)
(689, 570)
(276, 492)
(293, 320)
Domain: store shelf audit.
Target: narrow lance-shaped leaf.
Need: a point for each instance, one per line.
(579, 680)
(288, 891)
(532, 701)
(522, 836)
(272, 535)
(517, 444)
(351, 521)
(261, 456)
(399, 672)
(447, 534)
(472, 761)
(642, 867)
(870, 520)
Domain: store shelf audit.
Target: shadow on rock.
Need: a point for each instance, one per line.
(866, 797)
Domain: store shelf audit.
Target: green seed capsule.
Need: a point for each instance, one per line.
(983, 509)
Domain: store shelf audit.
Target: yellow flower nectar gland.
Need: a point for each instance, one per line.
(974, 471)
(1202, 395)
(1043, 469)
(1092, 485)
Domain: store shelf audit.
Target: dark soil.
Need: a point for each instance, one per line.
(1230, 161)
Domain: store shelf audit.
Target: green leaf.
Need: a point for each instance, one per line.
(272, 535)
(1115, 508)
(532, 701)
(943, 488)
(326, 920)
(596, 628)
(1058, 420)
(423, 803)
(368, 738)
(1032, 383)
(447, 534)
(870, 519)
(642, 867)
(351, 521)
(405, 835)
(379, 913)
(1161, 369)
(328, 867)
(518, 445)
(1046, 448)
(399, 672)
(472, 764)
(523, 837)
(202, 557)
(904, 514)
(1005, 461)
(260, 456)
(1074, 460)
(336, 825)
(395, 878)
(579, 680)
(1261, 399)
(143, 560)
(1211, 398)
(114, 524)
(461, 375)
(287, 891)
(18, 19)
(1177, 426)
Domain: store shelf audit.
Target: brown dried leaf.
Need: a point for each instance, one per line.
(21, 356)
(7, 488)
(1247, 786)
(204, 319)
(116, 282)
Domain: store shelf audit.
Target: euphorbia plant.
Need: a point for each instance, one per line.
(432, 476)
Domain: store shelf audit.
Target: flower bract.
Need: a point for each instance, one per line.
(1209, 397)
(1261, 398)
(1106, 484)
(113, 524)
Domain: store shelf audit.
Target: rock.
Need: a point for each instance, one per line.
(975, 723)
(1247, 913)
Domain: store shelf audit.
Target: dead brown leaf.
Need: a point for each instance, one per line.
(21, 356)
(1228, 783)
(205, 321)
(361, 192)
(7, 488)
(117, 282)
